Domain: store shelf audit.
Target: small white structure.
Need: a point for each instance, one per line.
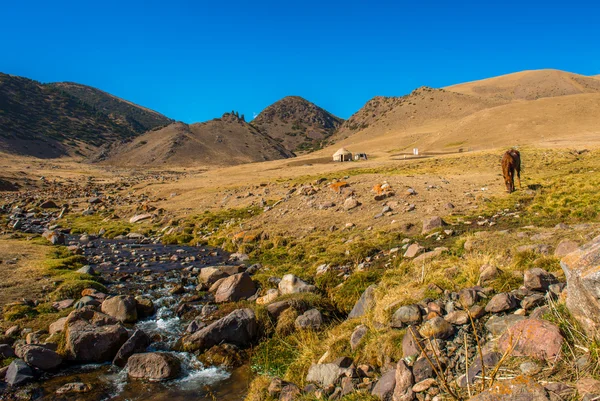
(416, 151)
(360, 156)
(342, 155)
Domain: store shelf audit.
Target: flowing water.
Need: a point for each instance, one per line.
(153, 270)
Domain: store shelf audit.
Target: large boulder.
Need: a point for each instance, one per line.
(122, 307)
(54, 237)
(239, 328)
(91, 336)
(234, 288)
(582, 270)
(18, 373)
(58, 326)
(365, 303)
(210, 275)
(385, 386)
(291, 284)
(138, 342)
(40, 357)
(534, 338)
(153, 366)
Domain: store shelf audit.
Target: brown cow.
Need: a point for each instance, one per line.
(511, 162)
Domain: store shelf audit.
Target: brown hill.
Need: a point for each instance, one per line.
(419, 110)
(297, 124)
(532, 107)
(140, 119)
(223, 141)
(529, 85)
(52, 120)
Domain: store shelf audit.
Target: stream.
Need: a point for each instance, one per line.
(138, 267)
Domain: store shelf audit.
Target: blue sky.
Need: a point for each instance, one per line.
(194, 60)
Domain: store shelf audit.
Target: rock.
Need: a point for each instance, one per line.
(406, 315)
(275, 387)
(498, 325)
(431, 223)
(64, 304)
(423, 385)
(537, 279)
(153, 366)
(559, 391)
(436, 328)
(582, 270)
(40, 357)
(18, 373)
(404, 383)
(409, 344)
(87, 269)
(239, 328)
(138, 342)
(422, 370)
(365, 303)
(385, 386)
(327, 374)
(309, 320)
(351, 203)
(144, 306)
(565, 247)
(534, 338)
(533, 301)
(467, 297)
(194, 326)
(276, 308)
(210, 275)
(121, 307)
(76, 387)
(291, 284)
(357, 335)
(413, 250)
(588, 387)
(140, 217)
(457, 317)
(6, 351)
(501, 302)
(48, 205)
(490, 360)
(520, 388)
(54, 237)
(271, 295)
(235, 288)
(289, 392)
(58, 326)
(12, 331)
(91, 336)
(239, 257)
(530, 368)
(86, 301)
(488, 273)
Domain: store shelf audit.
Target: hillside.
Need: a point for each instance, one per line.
(228, 140)
(45, 121)
(297, 124)
(139, 118)
(421, 109)
(529, 85)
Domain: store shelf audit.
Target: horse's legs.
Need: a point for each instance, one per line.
(519, 176)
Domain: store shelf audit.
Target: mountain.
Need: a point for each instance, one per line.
(298, 124)
(529, 85)
(139, 118)
(530, 107)
(223, 141)
(45, 120)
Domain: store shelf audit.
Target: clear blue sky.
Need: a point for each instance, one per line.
(194, 60)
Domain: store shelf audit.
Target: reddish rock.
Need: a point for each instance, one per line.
(534, 338)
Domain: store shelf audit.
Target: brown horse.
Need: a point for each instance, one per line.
(511, 162)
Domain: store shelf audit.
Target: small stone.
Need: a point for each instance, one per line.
(357, 335)
(537, 279)
(530, 368)
(501, 302)
(436, 328)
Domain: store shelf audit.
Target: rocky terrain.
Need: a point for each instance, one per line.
(299, 125)
(425, 292)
